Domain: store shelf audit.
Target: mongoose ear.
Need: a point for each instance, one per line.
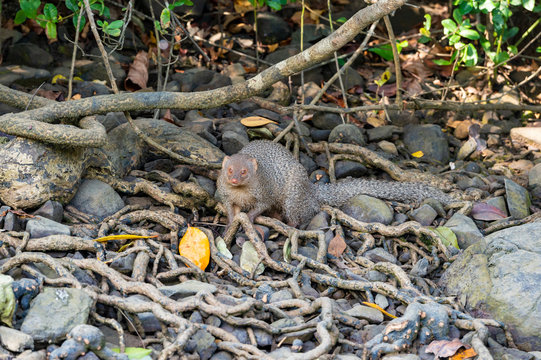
(254, 162)
(226, 159)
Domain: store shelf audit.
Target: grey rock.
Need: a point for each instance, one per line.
(112, 119)
(96, 71)
(534, 175)
(271, 28)
(217, 81)
(345, 168)
(518, 200)
(424, 215)
(15, 340)
(307, 162)
(348, 134)
(40, 227)
(308, 251)
(310, 90)
(196, 317)
(52, 210)
(235, 126)
(233, 142)
(12, 222)
(380, 255)
(430, 140)
(368, 209)
(89, 89)
(67, 308)
(6, 34)
(165, 165)
(97, 198)
(150, 322)
(420, 268)
(366, 312)
(262, 338)
(181, 173)
(123, 264)
(222, 355)
(326, 120)
(186, 288)
(280, 296)
(190, 78)
(381, 301)
(465, 230)
(473, 167)
(311, 33)
(401, 357)
(203, 343)
(33, 355)
(467, 149)
(281, 353)
(388, 147)
(319, 135)
(498, 202)
(207, 184)
(383, 132)
(234, 70)
(496, 272)
(29, 54)
(320, 221)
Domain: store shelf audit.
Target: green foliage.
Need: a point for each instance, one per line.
(273, 4)
(466, 38)
(386, 51)
(50, 17)
(165, 16)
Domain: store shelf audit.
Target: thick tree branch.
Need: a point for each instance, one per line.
(198, 100)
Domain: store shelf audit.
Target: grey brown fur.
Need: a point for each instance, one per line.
(277, 181)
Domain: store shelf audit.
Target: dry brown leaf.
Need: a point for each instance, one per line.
(272, 47)
(242, 6)
(375, 121)
(256, 121)
(138, 74)
(444, 348)
(337, 246)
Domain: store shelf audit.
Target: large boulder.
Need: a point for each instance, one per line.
(501, 275)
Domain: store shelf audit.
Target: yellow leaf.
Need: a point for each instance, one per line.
(242, 6)
(123, 237)
(464, 354)
(195, 246)
(384, 78)
(272, 47)
(418, 154)
(58, 77)
(372, 305)
(255, 121)
(124, 247)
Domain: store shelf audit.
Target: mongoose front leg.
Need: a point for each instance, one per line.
(256, 211)
(232, 211)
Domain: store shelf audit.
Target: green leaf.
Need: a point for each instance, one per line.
(83, 21)
(50, 12)
(41, 20)
(487, 6)
(512, 49)
(480, 27)
(72, 5)
(100, 23)
(509, 33)
(470, 57)
(20, 17)
(454, 39)
(447, 236)
(469, 34)
(485, 44)
(341, 20)
(423, 39)
(538, 49)
(465, 7)
(274, 5)
(113, 32)
(165, 18)
(428, 22)
(457, 15)
(50, 30)
(384, 51)
(442, 62)
(30, 7)
(117, 24)
(501, 57)
(134, 353)
(528, 4)
(449, 26)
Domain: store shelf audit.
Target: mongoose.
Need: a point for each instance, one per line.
(265, 176)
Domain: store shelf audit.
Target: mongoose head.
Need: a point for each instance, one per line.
(239, 169)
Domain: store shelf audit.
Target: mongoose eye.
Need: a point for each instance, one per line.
(243, 172)
(230, 171)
